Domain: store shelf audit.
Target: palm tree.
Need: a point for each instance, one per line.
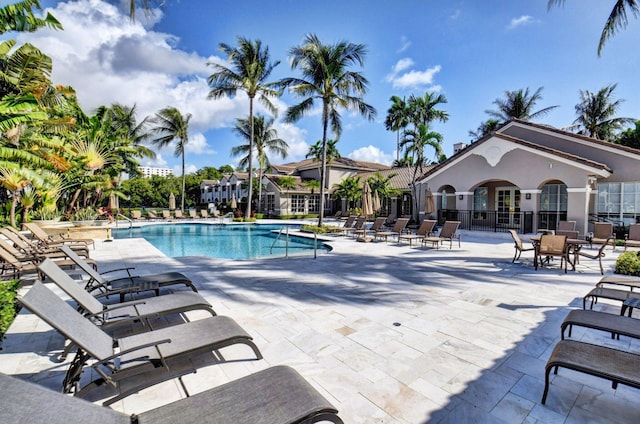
(617, 18)
(518, 104)
(166, 126)
(596, 113)
(415, 142)
(327, 78)
(422, 110)
(265, 141)
(19, 17)
(349, 188)
(486, 127)
(630, 137)
(287, 183)
(397, 119)
(250, 68)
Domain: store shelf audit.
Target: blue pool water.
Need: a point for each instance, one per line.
(219, 241)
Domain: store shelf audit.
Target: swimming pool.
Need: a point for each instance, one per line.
(219, 241)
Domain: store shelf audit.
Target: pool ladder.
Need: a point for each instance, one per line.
(286, 249)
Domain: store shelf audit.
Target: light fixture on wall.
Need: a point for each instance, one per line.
(527, 196)
(461, 197)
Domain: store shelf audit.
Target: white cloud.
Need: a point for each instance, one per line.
(371, 154)
(404, 44)
(416, 79)
(400, 66)
(522, 20)
(295, 138)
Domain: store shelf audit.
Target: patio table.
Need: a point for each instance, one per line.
(573, 245)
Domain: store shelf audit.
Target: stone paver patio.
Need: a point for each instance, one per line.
(388, 333)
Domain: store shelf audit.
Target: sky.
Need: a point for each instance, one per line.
(470, 51)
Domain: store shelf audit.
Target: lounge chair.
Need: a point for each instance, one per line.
(152, 214)
(348, 223)
(291, 399)
(193, 214)
(615, 365)
(375, 227)
(519, 246)
(551, 246)
(615, 324)
(449, 232)
(358, 225)
(137, 215)
(166, 215)
(129, 284)
(130, 364)
(566, 226)
(398, 228)
(606, 293)
(603, 232)
(50, 240)
(630, 282)
(425, 230)
(126, 313)
(204, 213)
(632, 239)
(16, 268)
(27, 247)
(599, 254)
(178, 214)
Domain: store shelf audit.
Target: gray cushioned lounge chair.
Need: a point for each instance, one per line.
(617, 325)
(116, 315)
(130, 364)
(615, 365)
(49, 240)
(275, 395)
(129, 284)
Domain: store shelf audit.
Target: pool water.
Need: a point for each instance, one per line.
(219, 241)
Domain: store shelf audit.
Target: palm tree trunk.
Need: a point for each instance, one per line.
(183, 181)
(249, 195)
(260, 189)
(12, 212)
(323, 169)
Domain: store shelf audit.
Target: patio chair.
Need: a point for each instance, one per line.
(425, 230)
(193, 214)
(630, 282)
(358, 225)
(127, 313)
(166, 215)
(598, 255)
(204, 213)
(152, 214)
(24, 249)
(129, 284)
(519, 246)
(19, 267)
(447, 233)
(566, 226)
(130, 364)
(397, 229)
(633, 238)
(240, 401)
(137, 215)
(375, 227)
(348, 223)
(571, 234)
(49, 240)
(178, 214)
(617, 325)
(551, 246)
(602, 232)
(611, 364)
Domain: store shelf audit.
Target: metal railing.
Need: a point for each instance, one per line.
(493, 221)
(286, 237)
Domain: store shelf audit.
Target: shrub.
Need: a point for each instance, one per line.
(8, 305)
(86, 214)
(259, 216)
(628, 263)
(325, 229)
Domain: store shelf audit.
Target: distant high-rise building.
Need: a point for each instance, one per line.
(148, 171)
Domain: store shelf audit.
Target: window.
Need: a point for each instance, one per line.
(619, 200)
(553, 198)
(297, 203)
(480, 202)
(271, 202)
(314, 203)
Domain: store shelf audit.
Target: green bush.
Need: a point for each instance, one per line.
(8, 305)
(628, 263)
(325, 229)
(259, 216)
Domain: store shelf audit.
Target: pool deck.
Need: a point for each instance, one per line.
(388, 333)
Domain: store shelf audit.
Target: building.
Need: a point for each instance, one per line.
(148, 171)
(528, 176)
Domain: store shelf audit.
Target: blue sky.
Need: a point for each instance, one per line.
(471, 51)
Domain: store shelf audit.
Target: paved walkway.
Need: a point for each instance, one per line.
(388, 333)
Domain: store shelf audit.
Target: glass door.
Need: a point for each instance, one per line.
(508, 206)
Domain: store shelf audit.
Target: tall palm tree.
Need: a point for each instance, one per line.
(326, 77)
(397, 119)
(415, 142)
(486, 127)
(596, 113)
(422, 110)
(519, 104)
(20, 17)
(168, 125)
(349, 188)
(266, 141)
(617, 18)
(250, 67)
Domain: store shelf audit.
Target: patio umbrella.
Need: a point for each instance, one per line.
(367, 207)
(234, 204)
(430, 206)
(375, 202)
(172, 201)
(113, 202)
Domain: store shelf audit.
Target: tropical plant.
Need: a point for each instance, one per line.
(169, 125)
(326, 78)
(617, 18)
(250, 67)
(596, 113)
(20, 17)
(349, 188)
(287, 183)
(402, 162)
(422, 110)
(415, 143)
(312, 185)
(486, 127)
(265, 141)
(630, 137)
(397, 119)
(84, 214)
(519, 104)
(382, 185)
